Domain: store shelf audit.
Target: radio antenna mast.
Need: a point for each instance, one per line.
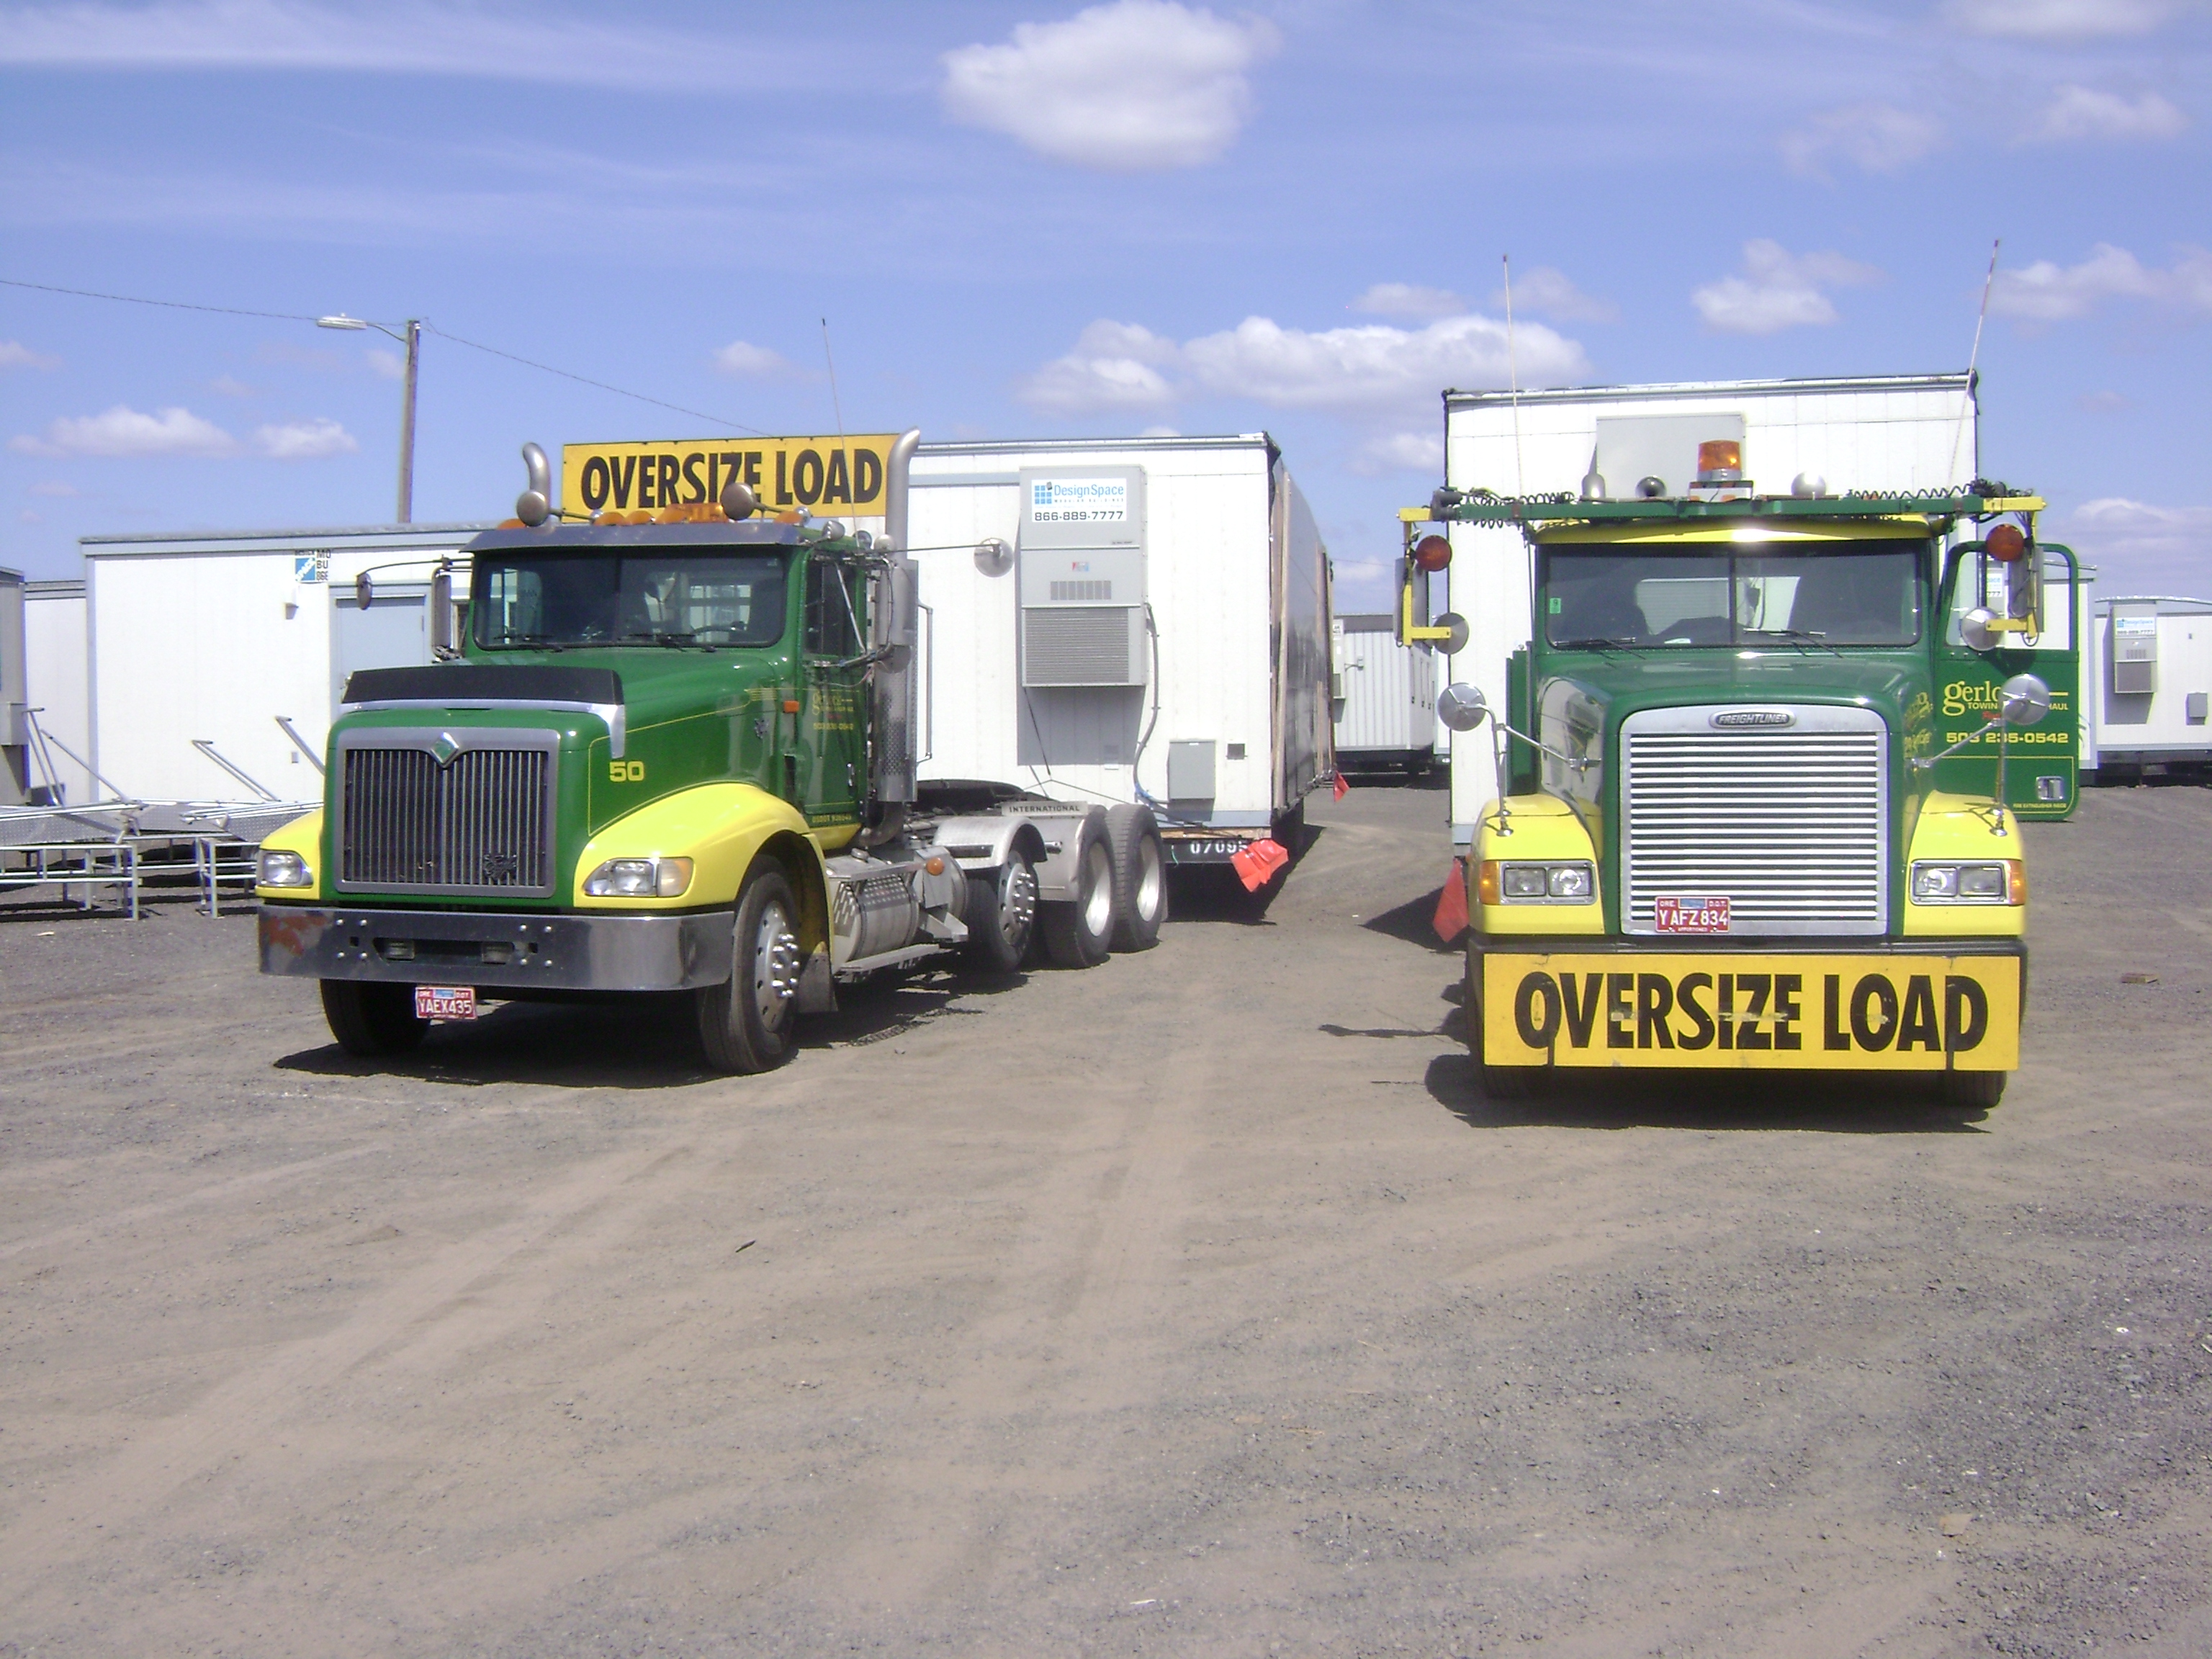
(1974, 362)
(1513, 378)
(837, 407)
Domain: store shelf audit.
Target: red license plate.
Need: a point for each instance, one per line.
(1690, 915)
(445, 1002)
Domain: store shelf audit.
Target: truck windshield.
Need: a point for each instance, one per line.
(1750, 593)
(704, 596)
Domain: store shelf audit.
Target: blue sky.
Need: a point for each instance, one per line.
(1036, 219)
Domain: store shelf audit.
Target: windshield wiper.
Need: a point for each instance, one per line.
(546, 641)
(1591, 645)
(668, 636)
(1798, 637)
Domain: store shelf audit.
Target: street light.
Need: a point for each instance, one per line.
(412, 339)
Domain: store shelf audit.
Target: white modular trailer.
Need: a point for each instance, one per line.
(54, 671)
(1387, 697)
(1153, 626)
(228, 638)
(1860, 433)
(2147, 678)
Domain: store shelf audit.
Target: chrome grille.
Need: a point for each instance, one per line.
(1789, 824)
(471, 816)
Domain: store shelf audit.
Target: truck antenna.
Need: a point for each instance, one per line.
(1513, 378)
(838, 409)
(1974, 362)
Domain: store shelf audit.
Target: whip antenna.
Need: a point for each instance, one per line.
(1513, 378)
(1973, 361)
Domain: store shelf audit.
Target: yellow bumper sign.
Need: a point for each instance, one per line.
(1895, 1013)
(833, 477)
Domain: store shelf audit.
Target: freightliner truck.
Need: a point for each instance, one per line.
(1733, 823)
(672, 753)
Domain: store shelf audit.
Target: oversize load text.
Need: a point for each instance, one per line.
(843, 474)
(1848, 1013)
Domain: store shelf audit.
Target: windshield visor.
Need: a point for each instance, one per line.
(1751, 594)
(707, 596)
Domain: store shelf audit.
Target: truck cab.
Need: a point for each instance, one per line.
(1734, 824)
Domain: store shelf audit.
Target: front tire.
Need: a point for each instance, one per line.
(373, 1019)
(1078, 932)
(1140, 877)
(745, 1024)
(1001, 914)
(1974, 1091)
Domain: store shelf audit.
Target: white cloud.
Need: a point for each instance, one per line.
(1160, 432)
(1407, 300)
(314, 440)
(1552, 293)
(2085, 113)
(1114, 365)
(14, 354)
(481, 42)
(1874, 138)
(55, 487)
(1778, 289)
(2141, 548)
(2046, 292)
(748, 362)
(386, 365)
(1130, 87)
(230, 385)
(2061, 20)
(124, 432)
(1402, 451)
(28, 516)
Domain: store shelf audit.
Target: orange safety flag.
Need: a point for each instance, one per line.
(1451, 904)
(1255, 866)
(1340, 788)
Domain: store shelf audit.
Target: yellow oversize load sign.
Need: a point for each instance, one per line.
(831, 476)
(1797, 1013)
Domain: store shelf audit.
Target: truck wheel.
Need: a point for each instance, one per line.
(1078, 932)
(1140, 877)
(1497, 1082)
(745, 1024)
(1001, 914)
(1974, 1090)
(370, 1018)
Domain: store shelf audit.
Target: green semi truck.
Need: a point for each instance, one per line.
(673, 752)
(1758, 783)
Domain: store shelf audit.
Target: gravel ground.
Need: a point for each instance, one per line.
(1199, 1303)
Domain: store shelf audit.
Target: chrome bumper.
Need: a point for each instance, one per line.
(492, 950)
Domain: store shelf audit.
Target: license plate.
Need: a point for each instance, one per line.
(1183, 850)
(1690, 915)
(445, 1002)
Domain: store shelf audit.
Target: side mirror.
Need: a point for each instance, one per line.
(738, 500)
(442, 614)
(1978, 629)
(2023, 700)
(1455, 635)
(993, 556)
(1462, 706)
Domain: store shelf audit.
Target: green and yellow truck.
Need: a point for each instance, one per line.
(672, 753)
(1759, 778)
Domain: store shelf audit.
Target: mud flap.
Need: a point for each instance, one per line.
(818, 991)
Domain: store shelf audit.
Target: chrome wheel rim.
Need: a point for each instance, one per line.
(775, 965)
(1017, 891)
(1098, 907)
(1151, 880)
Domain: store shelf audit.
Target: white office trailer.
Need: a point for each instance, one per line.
(1888, 432)
(2147, 677)
(214, 661)
(14, 695)
(59, 701)
(1143, 620)
(1386, 716)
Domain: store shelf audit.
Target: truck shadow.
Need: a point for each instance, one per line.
(1810, 1102)
(1414, 922)
(1213, 893)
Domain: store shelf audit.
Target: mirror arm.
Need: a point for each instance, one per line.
(1995, 723)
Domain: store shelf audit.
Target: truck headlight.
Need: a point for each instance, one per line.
(283, 870)
(1537, 884)
(655, 877)
(1996, 882)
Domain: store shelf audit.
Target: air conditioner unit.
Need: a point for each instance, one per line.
(1082, 575)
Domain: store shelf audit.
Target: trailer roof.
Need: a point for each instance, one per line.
(1814, 386)
(1449, 506)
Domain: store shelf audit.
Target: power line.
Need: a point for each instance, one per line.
(431, 328)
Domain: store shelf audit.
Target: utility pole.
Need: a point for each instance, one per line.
(407, 424)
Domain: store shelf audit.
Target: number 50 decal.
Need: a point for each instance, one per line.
(625, 771)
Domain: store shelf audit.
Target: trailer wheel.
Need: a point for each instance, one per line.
(370, 1018)
(1078, 932)
(1974, 1090)
(1140, 877)
(746, 1023)
(1001, 914)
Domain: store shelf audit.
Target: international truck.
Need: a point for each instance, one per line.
(1749, 803)
(672, 753)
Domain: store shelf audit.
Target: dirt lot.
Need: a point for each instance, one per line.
(1198, 1305)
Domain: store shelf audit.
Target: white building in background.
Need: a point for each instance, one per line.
(1387, 697)
(58, 694)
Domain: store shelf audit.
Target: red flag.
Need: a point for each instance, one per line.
(1340, 788)
(1451, 904)
(1257, 863)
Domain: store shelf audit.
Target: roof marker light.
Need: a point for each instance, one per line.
(1432, 553)
(2006, 542)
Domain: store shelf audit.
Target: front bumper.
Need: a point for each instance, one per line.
(1844, 1005)
(494, 950)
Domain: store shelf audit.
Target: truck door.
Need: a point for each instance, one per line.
(832, 744)
(2043, 764)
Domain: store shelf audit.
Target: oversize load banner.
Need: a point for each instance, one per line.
(831, 476)
(1733, 1010)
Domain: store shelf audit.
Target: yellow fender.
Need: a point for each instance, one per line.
(721, 827)
(1964, 827)
(303, 836)
(1543, 827)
